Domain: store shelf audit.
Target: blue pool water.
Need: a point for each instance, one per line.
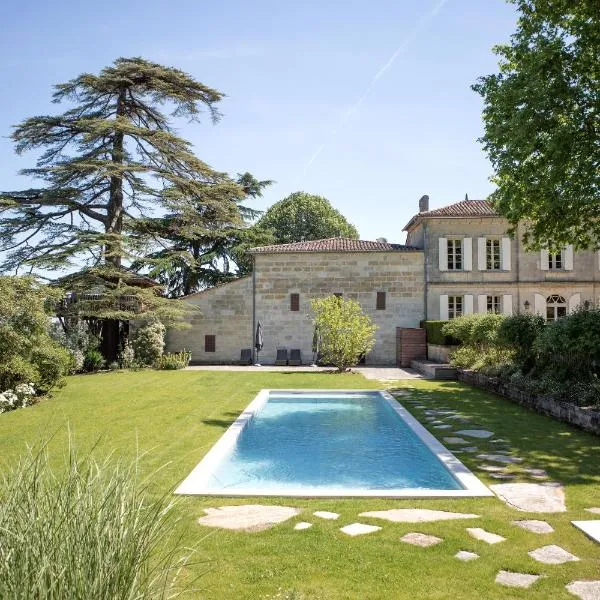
(346, 441)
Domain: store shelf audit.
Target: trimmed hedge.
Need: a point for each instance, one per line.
(434, 333)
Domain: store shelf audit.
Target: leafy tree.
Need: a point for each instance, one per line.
(27, 352)
(345, 332)
(542, 123)
(303, 216)
(109, 164)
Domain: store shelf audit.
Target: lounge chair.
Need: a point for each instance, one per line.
(245, 357)
(295, 358)
(281, 360)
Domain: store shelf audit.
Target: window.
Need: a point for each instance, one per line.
(455, 262)
(455, 306)
(556, 307)
(555, 261)
(210, 343)
(493, 304)
(492, 255)
(380, 304)
(295, 302)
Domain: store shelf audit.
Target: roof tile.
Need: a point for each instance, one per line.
(333, 245)
(465, 208)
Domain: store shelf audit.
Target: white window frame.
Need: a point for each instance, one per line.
(554, 303)
(493, 254)
(456, 306)
(455, 254)
(494, 304)
(556, 261)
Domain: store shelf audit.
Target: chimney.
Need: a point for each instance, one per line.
(381, 240)
(424, 204)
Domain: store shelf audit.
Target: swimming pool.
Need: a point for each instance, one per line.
(329, 443)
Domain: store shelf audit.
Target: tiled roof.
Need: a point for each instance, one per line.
(465, 208)
(333, 245)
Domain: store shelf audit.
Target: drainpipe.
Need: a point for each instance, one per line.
(253, 309)
(517, 244)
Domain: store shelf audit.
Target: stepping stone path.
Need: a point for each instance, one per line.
(501, 458)
(454, 440)
(502, 475)
(470, 449)
(247, 517)
(532, 497)
(552, 555)
(518, 580)
(499, 441)
(534, 526)
(466, 556)
(585, 590)
(594, 509)
(302, 525)
(442, 426)
(481, 434)
(590, 528)
(491, 468)
(485, 536)
(420, 539)
(359, 529)
(416, 515)
(323, 514)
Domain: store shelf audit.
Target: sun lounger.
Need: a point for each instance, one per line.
(281, 360)
(295, 358)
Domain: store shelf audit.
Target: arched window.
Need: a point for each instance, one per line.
(556, 307)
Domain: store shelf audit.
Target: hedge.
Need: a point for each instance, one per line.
(434, 333)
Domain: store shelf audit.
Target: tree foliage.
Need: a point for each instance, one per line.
(542, 123)
(27, 352)
(344, 331)
(111, 165)
(302, 216)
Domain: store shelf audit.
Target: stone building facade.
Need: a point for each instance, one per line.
(457, 260)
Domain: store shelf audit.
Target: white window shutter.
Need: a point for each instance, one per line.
(505, 255)
(539, 305)
(468, 304)
(569, 257)
(482, 303)
(507, 305)
(544, 260)
(481, 254)
(598, 259)
(444, 307)
(574, 302)
(443, 245)
(468, 254)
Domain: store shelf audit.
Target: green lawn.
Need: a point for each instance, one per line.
(177, 416)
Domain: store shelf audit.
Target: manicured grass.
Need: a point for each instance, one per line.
(177, 416)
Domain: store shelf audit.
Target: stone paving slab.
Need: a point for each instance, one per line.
(517, 580)
(466, 556)
(590, 528)
(552, 555)
(420, 539)
(532, 497)
(325, 514)
(247, 517)
(501, 458)
(491, 468)
(355, 529)
(585, 590)
(481, 434)
(534, 526)
(485, 536)
(302, 525)
(594, 509)
(416, 515)
(455, 440)
(442, 426)
(502, 475)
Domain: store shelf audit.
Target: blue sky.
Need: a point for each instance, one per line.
(366, 103)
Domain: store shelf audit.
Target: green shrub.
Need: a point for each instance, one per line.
(149, 343)
(127, 356)
(90, 531)
(174, 360)
(28, 354)
(520, 332)
(435, 335)
(475, 330)
(93, 361)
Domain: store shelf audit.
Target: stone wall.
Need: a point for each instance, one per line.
(440, 354)
(356, 275)
(584, 418)
(225, 312)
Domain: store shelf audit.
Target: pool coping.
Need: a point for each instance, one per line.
(196, 483)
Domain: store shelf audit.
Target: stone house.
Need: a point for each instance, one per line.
(456, 260)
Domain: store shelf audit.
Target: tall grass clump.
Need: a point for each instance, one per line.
(88, 530)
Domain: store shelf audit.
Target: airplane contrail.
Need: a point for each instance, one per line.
(420, 25)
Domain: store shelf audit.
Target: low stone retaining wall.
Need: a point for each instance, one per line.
(585, 418)
(440, 354)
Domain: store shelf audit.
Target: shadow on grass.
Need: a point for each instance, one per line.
(569, 455)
